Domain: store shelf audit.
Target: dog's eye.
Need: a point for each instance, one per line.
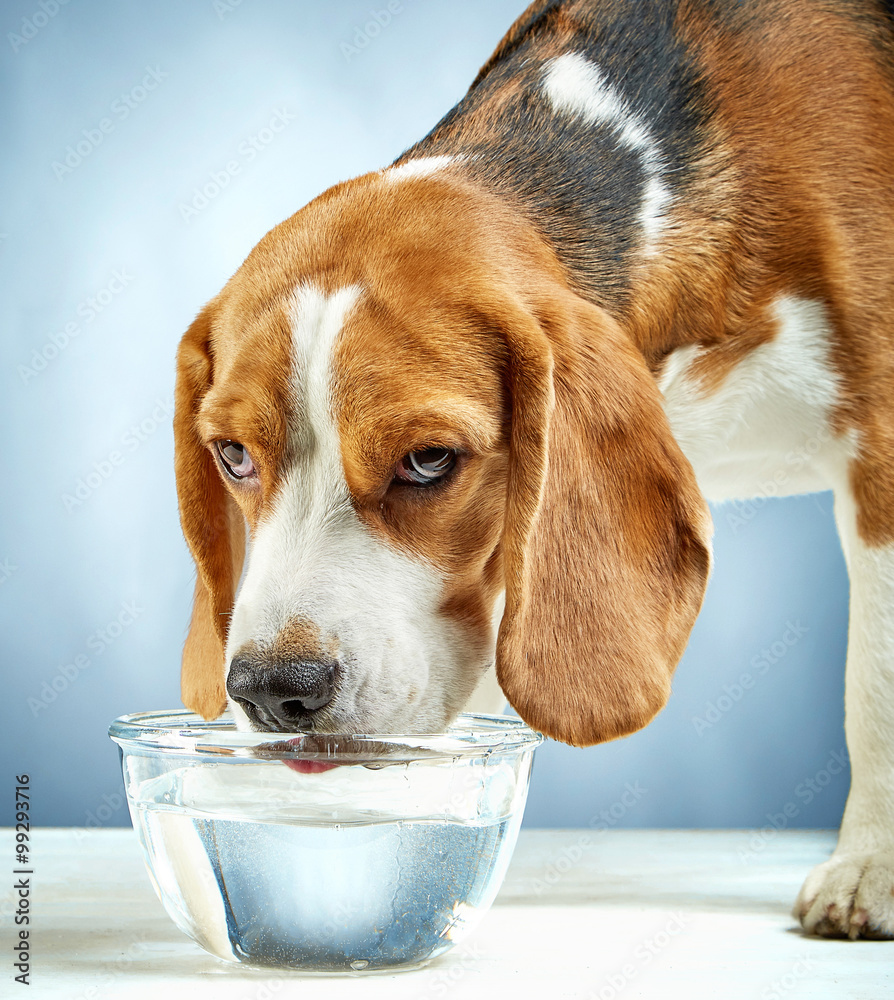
(422, 468)
(236, 459)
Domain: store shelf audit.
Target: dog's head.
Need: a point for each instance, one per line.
(444, 457)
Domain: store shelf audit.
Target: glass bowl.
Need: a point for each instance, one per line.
(325, 853)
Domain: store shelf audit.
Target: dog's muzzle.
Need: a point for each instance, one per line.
(281, 694)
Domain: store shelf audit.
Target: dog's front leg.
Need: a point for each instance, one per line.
(852, 894)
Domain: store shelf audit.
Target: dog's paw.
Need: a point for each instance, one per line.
(850, 895)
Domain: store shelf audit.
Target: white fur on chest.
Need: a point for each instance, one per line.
(766, 429)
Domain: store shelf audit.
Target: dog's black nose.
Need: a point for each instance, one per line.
(281, 694)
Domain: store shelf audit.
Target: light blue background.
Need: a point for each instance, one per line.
(70, 569)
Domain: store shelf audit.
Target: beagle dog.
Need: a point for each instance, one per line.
(470, 406)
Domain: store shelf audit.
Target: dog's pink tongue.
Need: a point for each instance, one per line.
(309, 766)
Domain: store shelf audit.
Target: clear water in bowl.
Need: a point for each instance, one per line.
(260, 874)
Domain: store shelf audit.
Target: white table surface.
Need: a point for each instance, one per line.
(626, 913)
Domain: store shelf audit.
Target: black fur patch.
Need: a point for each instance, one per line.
(577, 182)
(580, 185)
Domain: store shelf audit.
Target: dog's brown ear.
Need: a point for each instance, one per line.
(606, 544)
(213, 526)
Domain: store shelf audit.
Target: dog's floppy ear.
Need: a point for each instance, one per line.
(213, 526)
(606, 544)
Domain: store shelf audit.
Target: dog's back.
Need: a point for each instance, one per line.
(748, 139)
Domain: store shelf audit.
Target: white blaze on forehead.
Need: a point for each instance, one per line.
(317, 321)
(422, 166)
(313, 559)
(313, 503)
(576, 86)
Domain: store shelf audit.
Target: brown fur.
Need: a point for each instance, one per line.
(212, 530)
(571, 492)
(232, 388)
(298, 640)
(803, 204)
(607, 532)
(793, 195)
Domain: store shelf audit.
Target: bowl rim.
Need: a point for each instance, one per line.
(181, 732)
